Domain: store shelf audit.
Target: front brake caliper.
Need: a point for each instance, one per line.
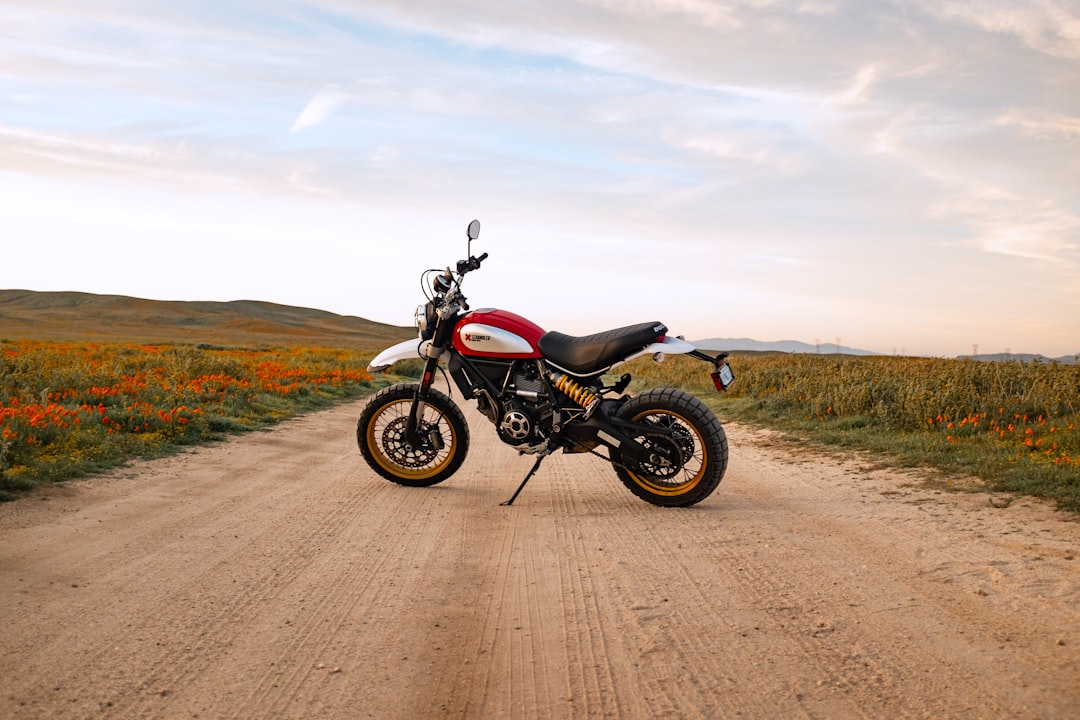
(436, 439)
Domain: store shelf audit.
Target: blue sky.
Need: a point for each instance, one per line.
(902, 175)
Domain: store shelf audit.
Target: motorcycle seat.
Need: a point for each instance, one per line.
(592, 354)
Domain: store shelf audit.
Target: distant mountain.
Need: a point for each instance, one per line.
(1023, 357)
(76, 316)
(794, 346)
(785, 346)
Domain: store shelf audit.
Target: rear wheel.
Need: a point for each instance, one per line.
(683, 448)
(441, 442)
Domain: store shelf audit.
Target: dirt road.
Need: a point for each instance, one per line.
(274, 576)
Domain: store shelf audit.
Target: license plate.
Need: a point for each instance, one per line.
(723, 377)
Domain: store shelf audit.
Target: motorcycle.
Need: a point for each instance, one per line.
(543, 392)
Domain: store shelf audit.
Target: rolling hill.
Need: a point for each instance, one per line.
(76, 316)
(87, 317)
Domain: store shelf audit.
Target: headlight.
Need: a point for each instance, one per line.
(420, 319)
(424, 317)
(442, 283)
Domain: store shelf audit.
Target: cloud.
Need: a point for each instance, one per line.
(1005, 221)
(1049, 125)
(1030, 228)
(765, 144)
(1049, 26)
(858, 90)
(737, 147)
(704, 12)
(325, 103)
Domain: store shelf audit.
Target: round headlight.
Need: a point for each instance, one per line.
(442, 283)
(420, 318)
(424, 318)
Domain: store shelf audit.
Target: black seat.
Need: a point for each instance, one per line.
(593, 354)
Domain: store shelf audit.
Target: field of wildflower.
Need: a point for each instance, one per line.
(68, 409)
(1016, 426)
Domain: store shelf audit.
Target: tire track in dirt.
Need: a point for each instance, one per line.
(666, 615)
(290, 554)
(274, 575)
(593, 664)
(330, 593)
(210, 594)
(360, 624)
(897, 632)
(795, 571)
(507, 626)
(502, 589)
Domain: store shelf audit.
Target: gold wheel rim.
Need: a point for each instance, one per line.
(432, 417)
(693, 470)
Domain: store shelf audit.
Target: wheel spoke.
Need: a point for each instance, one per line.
(677, 433)
(430, 456)
(683, 437)
(683, 450)
(420, 457)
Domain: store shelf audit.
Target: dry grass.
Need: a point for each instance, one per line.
(1014, 425)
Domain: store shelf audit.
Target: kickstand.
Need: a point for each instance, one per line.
(535, 467)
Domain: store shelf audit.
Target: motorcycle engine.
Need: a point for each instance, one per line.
(526, 415)
(517, 424)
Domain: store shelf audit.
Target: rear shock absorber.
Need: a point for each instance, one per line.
(573, 390)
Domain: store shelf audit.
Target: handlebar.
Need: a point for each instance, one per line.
(446, 285)
(473, 263)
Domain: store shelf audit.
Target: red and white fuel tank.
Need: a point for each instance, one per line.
(497, 333)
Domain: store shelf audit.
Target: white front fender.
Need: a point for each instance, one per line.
(405, 350)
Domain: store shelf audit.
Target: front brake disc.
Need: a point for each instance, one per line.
(404, 453)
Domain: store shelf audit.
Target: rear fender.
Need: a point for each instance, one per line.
(668, 346)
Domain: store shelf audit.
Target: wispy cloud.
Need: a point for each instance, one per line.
(1052, 126)
(1026, 227)
(705, 12)
(730, 137)
(858, 90)
(319, 109)
(1049, 26)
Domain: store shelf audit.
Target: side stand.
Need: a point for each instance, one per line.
(535, 467)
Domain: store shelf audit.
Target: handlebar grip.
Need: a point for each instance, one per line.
(472, 263)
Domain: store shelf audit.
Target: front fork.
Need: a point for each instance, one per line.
(423, 390)
(439, 342)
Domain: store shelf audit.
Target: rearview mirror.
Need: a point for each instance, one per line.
(474, 230)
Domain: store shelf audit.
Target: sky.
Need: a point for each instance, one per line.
(900, 176)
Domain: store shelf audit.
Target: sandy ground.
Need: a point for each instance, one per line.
(274, 576)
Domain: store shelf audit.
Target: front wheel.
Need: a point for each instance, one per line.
(682, 453)
(437, 451)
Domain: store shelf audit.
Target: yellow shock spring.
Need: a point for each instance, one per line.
(573, 390)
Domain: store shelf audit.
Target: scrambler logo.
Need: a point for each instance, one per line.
(473, 337)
